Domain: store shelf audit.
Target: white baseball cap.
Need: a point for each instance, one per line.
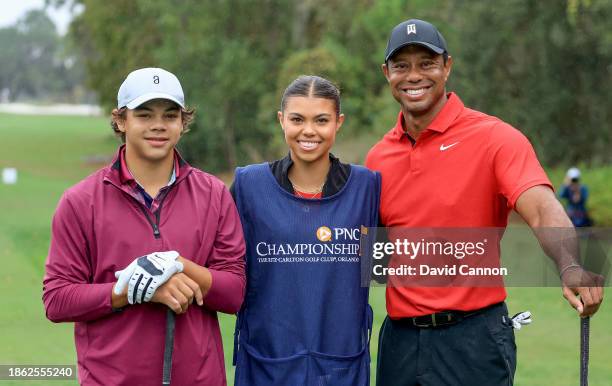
(573, 173)
(149, 83)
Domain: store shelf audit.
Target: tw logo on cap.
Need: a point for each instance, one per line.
(411, 29)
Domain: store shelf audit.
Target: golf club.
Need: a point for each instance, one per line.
(584, 350)
(168, 348)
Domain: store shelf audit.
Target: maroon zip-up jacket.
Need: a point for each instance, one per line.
(99, 227)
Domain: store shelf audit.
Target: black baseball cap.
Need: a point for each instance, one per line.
(415, 31)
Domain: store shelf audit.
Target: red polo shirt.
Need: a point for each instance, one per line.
(467, 169)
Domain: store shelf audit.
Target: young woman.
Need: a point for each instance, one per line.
(306, 318)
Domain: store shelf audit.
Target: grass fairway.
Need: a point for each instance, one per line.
(52, 153)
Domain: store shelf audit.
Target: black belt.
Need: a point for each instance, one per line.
(443, 318)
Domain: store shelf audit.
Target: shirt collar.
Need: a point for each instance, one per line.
(287, 162)
(335, 180)
(445, 118)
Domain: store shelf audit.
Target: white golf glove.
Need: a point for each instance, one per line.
(520, 319)
(145, 274)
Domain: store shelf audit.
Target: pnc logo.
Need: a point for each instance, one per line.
(324, 234)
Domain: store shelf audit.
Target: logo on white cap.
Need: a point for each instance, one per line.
(146, 84)
(411, 29)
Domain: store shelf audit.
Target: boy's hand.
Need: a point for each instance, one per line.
(178, 293)
(145, 274)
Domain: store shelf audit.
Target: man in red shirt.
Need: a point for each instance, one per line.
(446, 166)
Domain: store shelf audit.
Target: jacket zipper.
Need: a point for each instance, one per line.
(145, 210)
(154, 225)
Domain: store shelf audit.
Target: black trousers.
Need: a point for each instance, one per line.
(478, 351)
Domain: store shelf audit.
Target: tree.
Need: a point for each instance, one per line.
(541, 69)
(34, 63)
(538, 65)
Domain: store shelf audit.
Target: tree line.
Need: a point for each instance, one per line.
(542, 66)
(37, 64)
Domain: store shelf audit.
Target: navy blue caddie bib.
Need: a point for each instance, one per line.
(305, 319)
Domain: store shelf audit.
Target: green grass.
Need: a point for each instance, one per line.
(52, 153)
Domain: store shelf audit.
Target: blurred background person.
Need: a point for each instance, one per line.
(576, 195)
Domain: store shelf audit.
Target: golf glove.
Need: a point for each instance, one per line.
(145, 274)
(520, 319)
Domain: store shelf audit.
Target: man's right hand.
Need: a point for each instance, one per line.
(178, 293)
(583, 290)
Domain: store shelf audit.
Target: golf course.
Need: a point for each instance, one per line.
(52, 153)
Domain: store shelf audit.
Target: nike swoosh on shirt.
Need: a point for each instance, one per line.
(442, 147)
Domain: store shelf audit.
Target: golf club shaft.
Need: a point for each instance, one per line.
(584, 350)
(169, 347)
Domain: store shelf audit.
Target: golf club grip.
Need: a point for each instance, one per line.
(584, 350)
(168, 347)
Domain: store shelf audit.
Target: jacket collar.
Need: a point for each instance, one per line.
(119, 174)
(336, 177)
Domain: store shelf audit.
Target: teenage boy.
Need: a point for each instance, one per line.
(171, 235)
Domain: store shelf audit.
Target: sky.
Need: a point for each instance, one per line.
(12, 10)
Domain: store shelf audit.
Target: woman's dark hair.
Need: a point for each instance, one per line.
(120, 114)
(312, 86)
